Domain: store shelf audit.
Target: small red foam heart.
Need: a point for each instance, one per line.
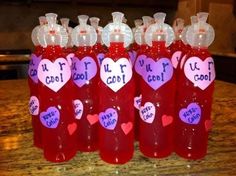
(166, 120)
(72, 128)
(208, 125)
(92, 118)
(126, 127)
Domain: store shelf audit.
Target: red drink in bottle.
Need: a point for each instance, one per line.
(33, 84)
(55, 94)
(158, 92)
(194, 93)
(116, 95)
(85, 77)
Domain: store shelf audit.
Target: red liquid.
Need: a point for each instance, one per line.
(154, 139)
(98, 49)
(37, 136)
(191, 140)
(116, 147)
(143, 50)
(88, 95)
(58, 144)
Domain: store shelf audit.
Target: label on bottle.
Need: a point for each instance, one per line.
(33, 67)
(157, 73)
(116, 74)
(140, 64)
(34, 105)
(137, 102)
(147, 112)
(100, 58)
(191, 114)
(176, 57)
(50, 118)
(55, 74)
(78, 108)
(83, 70)
(109, 118)
(132, 56)
(200, 73)
(69, 58)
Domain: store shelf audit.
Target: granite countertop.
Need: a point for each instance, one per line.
(18, 157)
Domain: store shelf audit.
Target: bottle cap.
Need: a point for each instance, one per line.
(140, 31)
(137, 23)
(52, 33)
(94, 21)
(193, 20)
(65, 24)
(84, 34)
(159, 31)
(117, 31)
(34, 34)
(178, 27)
(200, 34)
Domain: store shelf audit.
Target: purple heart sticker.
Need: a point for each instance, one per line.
(100, 58)
(108, 119)
(157, 73)
(191, 114)
(132, 56)
(33, 67)
(140, 64)
(50, 118)
(83, 70)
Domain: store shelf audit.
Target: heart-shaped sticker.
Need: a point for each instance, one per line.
(83, 70)
(208, 125)
(157, 73)
(69, 58)
(72, 128)
(166, 120)
(200, 73)
(132, 56)
(100, 58)
(50, 118)
(54, 75)
(182, 61)
(108, 119)
(147, 112)
(78, 108)
(191, 114)
(33, 67)
(176, 58)
(137, 102)
(116, 74)
(34, 105)
(140, 64)
(92, 118)
(127, 127)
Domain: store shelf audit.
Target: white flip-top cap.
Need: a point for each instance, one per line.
(94, 21)
(138, 22)
(65, 24)
(178, 27)
(201, 33)
(34, 34)
(84, 34)
(159, 31)
(52, 33)
(117, 31)
(193, 20)
(140, 31)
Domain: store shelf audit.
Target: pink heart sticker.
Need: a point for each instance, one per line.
(147, 112)
(92, 118)
(34, 105)
(208, 125)
(72, 128)
(176, 58)
(127, 127)
(166, 120)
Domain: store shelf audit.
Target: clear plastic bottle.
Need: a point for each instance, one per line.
(194, 92)
(85, 77)
(158, 92)
(98, 48)
(59, 126)
(35, 58)
(116, 95)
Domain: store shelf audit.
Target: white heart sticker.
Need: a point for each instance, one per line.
(34, 105)
(200, 73)
(147, 112)
(116, 74)
(78, 108)
(55, 74)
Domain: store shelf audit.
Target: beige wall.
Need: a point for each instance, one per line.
(221, 17)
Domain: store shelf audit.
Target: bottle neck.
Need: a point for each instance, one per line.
(117, 47)
(158, 44)
(53, 52)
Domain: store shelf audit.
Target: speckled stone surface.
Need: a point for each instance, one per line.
(18, 157)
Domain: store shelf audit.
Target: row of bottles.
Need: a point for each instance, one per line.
(85, 96)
